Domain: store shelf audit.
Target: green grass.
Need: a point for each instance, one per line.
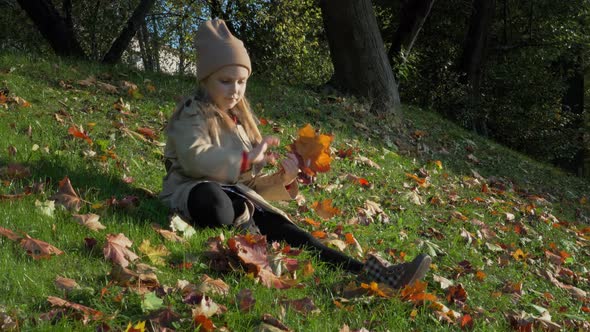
(514, 182)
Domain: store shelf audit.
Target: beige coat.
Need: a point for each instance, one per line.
(194, 156)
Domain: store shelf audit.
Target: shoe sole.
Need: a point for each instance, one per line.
(421, 270)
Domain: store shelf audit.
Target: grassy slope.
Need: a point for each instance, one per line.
(515, 185)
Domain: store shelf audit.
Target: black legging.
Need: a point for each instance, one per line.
(210, 206)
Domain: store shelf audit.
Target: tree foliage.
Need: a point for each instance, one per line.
(531, 90)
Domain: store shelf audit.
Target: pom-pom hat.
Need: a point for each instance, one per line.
(217, 48)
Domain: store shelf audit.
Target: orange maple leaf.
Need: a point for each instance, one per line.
(415, 293)
(312, 150)
(325, 209)
(80, 133)
(319, 234)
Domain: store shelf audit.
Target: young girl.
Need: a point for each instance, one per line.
(214, 156)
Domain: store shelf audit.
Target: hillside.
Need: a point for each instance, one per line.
(509, 236)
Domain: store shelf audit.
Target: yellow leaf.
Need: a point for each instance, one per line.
(139, 327)
(155, 254)
(438, 164)
(519, 255)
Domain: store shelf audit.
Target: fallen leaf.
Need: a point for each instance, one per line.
(444, 282)
(168, 235)
(139, 327)
(204, 323)
(80, 133)
(148, 133)
(213, 286)
(155, 254)
(9, 234)
(89, 313)
(177, 224)
(150, 301)
(303, 306)
(205, 306)
(65, 284)
(164, 317)
(416, 293)
(116, 250)
(245, 300)
(325, 209)
(67, 196)
(89, 220)
(38, 249)
(47, 207)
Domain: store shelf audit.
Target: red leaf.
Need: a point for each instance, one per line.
(466, 322)
(204, 323)
(148, 133)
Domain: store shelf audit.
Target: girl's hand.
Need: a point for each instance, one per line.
(256, 155)
(289, 168)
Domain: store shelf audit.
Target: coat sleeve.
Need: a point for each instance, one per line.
(198, 156)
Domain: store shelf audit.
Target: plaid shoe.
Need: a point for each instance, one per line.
(395, 276)
(244, 223)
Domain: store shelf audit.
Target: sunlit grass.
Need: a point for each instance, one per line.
(418, 218)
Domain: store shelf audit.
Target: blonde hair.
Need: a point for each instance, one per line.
(216, 119)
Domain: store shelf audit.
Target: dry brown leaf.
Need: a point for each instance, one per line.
(206, 306)
(65, 284)
(89, 313)
(367, 162)
(89, 220)
(107, 87)
(9, 234)
(303, 306)
(67, 196)
(39, 249)
(213, 286)
(90, 81)
(245, 300)
(116, 250)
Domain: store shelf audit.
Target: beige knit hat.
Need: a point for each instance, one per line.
(217, 48)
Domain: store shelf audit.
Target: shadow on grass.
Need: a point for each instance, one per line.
(94, 187)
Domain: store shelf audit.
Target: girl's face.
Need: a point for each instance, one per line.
(226, 87)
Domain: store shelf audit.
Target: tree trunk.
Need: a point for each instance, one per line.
(122, 42)
(94, 53)
(412, 17)
(54, 28)
(476, 41)
(155, 46)
(360, 63)
(473, 57)
(181, 46)
(573, 101)
(144, 47)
